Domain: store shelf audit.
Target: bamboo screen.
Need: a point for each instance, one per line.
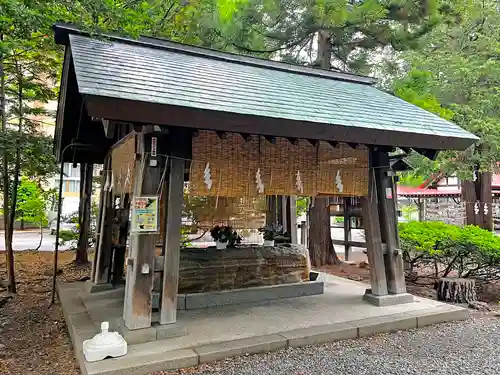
(123, 163)
(234, 167)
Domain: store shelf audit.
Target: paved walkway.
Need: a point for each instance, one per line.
(471, 347)
(29, 240)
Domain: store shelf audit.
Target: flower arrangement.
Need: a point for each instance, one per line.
(225, 236)
(270, 232)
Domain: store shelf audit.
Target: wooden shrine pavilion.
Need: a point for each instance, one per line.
(158, 114)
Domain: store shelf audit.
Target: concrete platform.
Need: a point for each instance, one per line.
(215, 333)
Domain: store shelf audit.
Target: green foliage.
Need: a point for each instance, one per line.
(355, 30)
(408, 211)
(415, 89)
(412, 178)
(31, 202)
(302, 205)
(464, 251)
(457, 67)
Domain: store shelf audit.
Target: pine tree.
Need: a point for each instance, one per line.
(334, 35)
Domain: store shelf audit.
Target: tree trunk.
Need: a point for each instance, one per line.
(456, 290)
(86, 198)
(321, 248)
(485, 196)
(477, 196)
(6, 185)
(15, 183)
(41, 236)
(324, 56)
(469, 197)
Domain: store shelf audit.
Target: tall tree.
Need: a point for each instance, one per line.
(460, 61)
(335, 35)
(26, 67)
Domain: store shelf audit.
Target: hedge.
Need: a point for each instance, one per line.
(449, 250)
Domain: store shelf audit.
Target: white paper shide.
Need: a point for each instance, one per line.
(104, 344)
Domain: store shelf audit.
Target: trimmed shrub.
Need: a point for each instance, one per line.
(448, 249)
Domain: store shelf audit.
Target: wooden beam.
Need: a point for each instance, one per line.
(353, 212)
(282, 211)
(103, 262)
(351, 243)
(292, 219)
(86, 174)
(168, 313)
(270, 139)
(271, 210)
(137, 308)
(394, 268)
(144, 112)
(347, 229)
(303, 233)
(369, 206)
(107, 163)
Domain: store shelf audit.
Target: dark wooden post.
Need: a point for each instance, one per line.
(347, 228)
(303, 233)
(103, 262)
(291, 209)
(369, 207)
(393, 259)
(168, 313)
(99, 218)
(140, 263)
(85, 206)
(119, 252)
(280, 208)
(271, 214)
(420, 209)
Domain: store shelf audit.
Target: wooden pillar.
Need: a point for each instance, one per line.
(137, 308)
(303, 233)
(271, 214)
(168, 305)
(280, 211)
(84, 216)
(292, 219)
(420, 209)
(123, 215)
(369, 207)
(99, 218)
(393, 259)
(103, 261)
(347, 228)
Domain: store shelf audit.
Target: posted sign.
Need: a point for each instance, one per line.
(145, 214)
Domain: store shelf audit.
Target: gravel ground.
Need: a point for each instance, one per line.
(470, 347)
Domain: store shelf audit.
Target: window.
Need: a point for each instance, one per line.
(69, 171)
(73, 186)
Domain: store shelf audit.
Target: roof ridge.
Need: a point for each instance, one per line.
(62, 32)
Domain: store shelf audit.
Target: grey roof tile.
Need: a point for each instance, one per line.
(127, 71)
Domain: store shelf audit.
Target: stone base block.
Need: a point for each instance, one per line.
(252, 295)
(387, 300)
(170, 331)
